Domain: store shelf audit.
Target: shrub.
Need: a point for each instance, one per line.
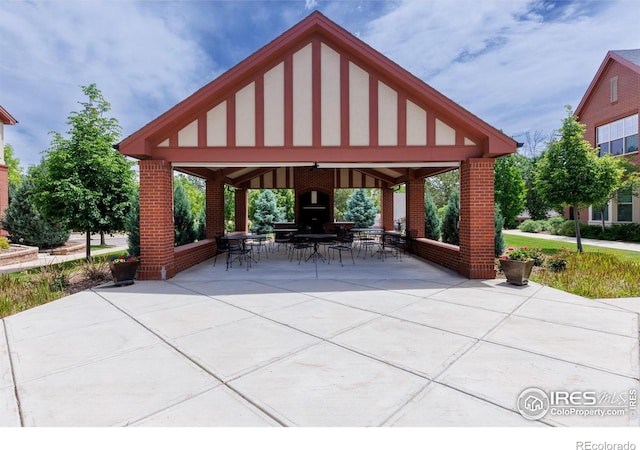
(27, 226)
(184, 232)
(4, 243)
(431, 219)
(558, 262)
(450, 232)
(530, 226)
(567, 229)
(554, 224)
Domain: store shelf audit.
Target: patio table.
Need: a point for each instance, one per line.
(243, 238)
(316, 238)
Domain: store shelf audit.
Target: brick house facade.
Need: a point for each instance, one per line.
(316, 110)
(5, 119)
(610, 110)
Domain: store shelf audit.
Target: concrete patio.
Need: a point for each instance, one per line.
(378, 343)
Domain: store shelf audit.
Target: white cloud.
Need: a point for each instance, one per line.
(143, 64)
(310, 4)
(513, 63)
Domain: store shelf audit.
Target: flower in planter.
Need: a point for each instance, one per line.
(123, 258)
(524, 254)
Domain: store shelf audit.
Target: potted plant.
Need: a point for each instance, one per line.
(516, 264)
(124, 269)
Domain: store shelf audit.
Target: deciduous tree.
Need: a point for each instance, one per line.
(86, 181)
(571, 174)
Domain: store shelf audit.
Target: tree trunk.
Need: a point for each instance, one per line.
(102, 241)
(88, 245)
(576, 220)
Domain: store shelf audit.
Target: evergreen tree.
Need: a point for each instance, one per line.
(450, 232)
(184, 231)
(509, 190)
(431, 219)
(201, 226)
(361, 210)
(498, 237)
(27, 226)
(132, 224)
(267, 211)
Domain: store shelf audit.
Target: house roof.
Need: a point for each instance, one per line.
(6, 118)
(628, 58)
(159, 139)
(632, 56)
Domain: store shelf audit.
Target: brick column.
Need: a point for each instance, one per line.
(214, 206)
(4, 191)
(415, 204)
(477, 218)
(156, 220)
(386, 208)
(242, 209)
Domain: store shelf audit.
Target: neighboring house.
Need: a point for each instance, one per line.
(5, 119)
(609, 109)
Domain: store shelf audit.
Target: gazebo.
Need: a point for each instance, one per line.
(315, 110)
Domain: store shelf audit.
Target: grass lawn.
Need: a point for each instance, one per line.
(23, 290)
(551, 247)
(597, 273)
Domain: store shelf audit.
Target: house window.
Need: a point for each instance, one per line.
(596, 214)
(614, 89)
(619, 137)
(625, 208)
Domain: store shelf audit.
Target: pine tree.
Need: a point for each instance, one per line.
(360, 209)
(267, 211)
(450, 232)
(27, 226)
(431, 219)
(184, 232)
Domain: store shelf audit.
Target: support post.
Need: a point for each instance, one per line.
(156, 220)
(415, 204)
(477, 253)
(242, 209)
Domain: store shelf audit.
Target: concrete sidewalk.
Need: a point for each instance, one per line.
(118, 241)
(572, 240)
(375, 343)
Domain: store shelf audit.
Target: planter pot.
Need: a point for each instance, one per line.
(517, 272)
(123, 273)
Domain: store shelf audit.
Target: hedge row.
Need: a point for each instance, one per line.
(628, 232)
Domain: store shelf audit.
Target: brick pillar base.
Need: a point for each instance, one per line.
(242, 209)
(4, 192)
(386, 208)
(156, 220)
(214, 207)
(415, 206)
(477, 254)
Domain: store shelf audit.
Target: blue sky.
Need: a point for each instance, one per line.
(513, 63)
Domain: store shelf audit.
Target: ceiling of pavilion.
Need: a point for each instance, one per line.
(316, 97)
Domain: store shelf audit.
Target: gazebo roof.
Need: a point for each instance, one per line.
(316, 96)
